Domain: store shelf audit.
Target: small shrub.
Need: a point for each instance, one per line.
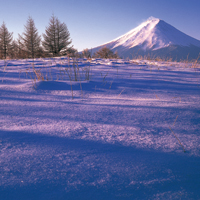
(106, 53)
(86, 53)
(72, 52)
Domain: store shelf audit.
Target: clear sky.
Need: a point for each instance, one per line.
(94, 22)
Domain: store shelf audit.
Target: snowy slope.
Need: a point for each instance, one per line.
(112, 141)
(153, 34)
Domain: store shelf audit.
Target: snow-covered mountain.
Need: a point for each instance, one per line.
(155, 38)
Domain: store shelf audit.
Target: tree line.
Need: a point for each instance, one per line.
(56, 41)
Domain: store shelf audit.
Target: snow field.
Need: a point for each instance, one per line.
(112, 141)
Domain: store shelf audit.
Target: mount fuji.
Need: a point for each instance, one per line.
(154, 38)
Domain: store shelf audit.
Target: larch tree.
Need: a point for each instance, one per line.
(21, 53)
(31, 39)
(56, 37)
(14, 49)
(5, 40)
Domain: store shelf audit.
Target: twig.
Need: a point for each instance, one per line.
(120, 93)
(177, 139)
(175, 120)
(157, 96)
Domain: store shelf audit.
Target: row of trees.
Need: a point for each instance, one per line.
(56, 41)
(29, 44)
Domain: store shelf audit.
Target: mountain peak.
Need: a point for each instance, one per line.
(138, 35)
(152, 35)
(153, 19)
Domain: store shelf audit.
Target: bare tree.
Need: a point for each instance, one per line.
(86, 53)
(31, 38)
(56, 37)
(72, 52)
(105, 52)
(21, 52)
(5, 40)
(14, 49)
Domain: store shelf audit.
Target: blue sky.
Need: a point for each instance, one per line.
(94, 22)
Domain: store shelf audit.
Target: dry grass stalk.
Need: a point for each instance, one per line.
(157, 96)
(177, 139)
(175, 120)
(120, 93)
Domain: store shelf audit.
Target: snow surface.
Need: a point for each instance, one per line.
(112, 141)
(153, 34)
